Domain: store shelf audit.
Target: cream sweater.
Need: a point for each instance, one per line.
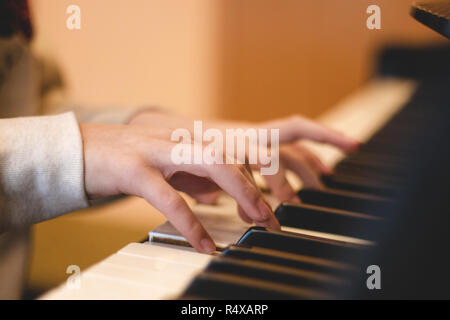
(41, 157)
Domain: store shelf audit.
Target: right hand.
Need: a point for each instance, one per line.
(136, 160)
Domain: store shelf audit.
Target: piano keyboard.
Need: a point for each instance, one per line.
(308, 258)
(367, 197)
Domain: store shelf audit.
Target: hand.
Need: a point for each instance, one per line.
(299, 159)
(293, 155)
(136, 160)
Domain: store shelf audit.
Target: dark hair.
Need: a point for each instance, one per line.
(15, 18)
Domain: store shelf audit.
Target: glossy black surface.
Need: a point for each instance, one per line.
(328, 220)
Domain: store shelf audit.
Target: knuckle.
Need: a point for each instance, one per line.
(322, 136)
(295, 118)
(172, 201)
(211, 168)
(229, 168)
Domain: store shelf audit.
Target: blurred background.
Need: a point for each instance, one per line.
(249, 60)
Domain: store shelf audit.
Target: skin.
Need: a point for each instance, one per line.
(134, 159)
(293, 155)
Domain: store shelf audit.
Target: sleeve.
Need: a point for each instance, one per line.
(41, 169)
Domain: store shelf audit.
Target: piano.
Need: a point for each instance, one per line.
(385, 205)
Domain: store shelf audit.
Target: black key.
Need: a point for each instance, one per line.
(300, 244)
(214, 285)
(285, 259)
(274, 273)
(377, 161)
(371, 179)
(335, 221)
(383, 174)
(353, 183)
(345, 200)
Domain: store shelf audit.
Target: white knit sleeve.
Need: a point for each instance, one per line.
(41, 169)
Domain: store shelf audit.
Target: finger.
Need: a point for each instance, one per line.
(301, 128)
(244, 216)
(278, 183)
(313, 160)
(249, 174)
(233, 180)
(273, 222)
(301, 167)
(156, 191)
(280, 187)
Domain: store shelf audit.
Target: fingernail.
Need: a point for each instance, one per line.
(264, 209)
(275, 224)
(328, 170)
(269, 223)
(208, 245)
(357, 145)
